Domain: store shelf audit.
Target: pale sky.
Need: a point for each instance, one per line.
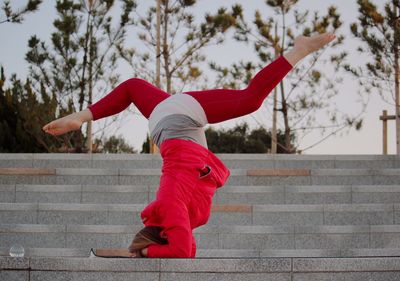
(367, 141)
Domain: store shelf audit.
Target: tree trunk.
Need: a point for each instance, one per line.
(153, 147)
(397, 93)
(166, 49)
(158, 51)
(288, 142)
(84, 63)
(396, 79)
(288, 145)
(86, 51)
(90, 89)
(274, 139)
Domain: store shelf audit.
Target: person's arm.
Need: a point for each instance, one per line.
(179, 245)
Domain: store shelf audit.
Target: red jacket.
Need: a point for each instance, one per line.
(190, 176)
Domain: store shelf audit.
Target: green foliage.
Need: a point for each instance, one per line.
(236, 140)
(16, 16)
(113, 144)
(146, 145)
(22, 116)
(234, 76)
(23, 113)
(379, 31)
(79, 65)
(307, 90)
(77, 59)
(241, 140)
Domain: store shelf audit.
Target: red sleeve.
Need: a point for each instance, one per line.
(179, 244)
(176, 227)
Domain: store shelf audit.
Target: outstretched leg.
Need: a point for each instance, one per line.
(221, 104)
(144, 95)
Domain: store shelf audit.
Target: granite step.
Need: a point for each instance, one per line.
(208, 237)
(268, 214)
(242, 177)
(225, 269)
(142, 194)
(279, 217)
(83, 252)
(231, 160)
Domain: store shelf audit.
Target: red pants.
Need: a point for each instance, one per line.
(235, 103)
(184, 197)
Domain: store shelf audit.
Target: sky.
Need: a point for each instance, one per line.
(134, 129)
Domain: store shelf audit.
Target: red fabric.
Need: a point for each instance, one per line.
(141, 93)
(235, 103)
(222, 104)
(183, 200)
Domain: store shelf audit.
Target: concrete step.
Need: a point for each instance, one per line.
(83, 252)
(142, 194)
(273, 214)
(208, 237)
(234, 161)
(119, 194)
(243, 177)
(231, 269)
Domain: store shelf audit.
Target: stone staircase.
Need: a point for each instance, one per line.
(281, 217)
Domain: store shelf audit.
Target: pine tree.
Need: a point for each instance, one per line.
(309, 88)
(240, 139)
(379, 32)
(22, 115)
(16, 16)
(79, 65)
(113, 144)
(182, 43)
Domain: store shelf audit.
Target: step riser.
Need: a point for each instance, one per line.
(168, 276)
(299, 218)
(282, 269)
(210, 241)
(227, 253)
(148, 161)
(233, 180)
(219, 198)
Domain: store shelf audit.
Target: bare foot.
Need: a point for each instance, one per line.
(307, 45)
(63, 125)
(304, 46)
(68, 123)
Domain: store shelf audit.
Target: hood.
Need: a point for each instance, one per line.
(185, 154)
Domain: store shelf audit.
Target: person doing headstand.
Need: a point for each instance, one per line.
(190, 172)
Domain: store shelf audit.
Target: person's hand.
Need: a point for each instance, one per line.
(132, 255)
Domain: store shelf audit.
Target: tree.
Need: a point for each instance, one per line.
(113, 144)
(146, 145)
(241, 140)
(22, 115)
(17, 16)
(182, 41)
(307, 90)
(380, 33)
(82, 57)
